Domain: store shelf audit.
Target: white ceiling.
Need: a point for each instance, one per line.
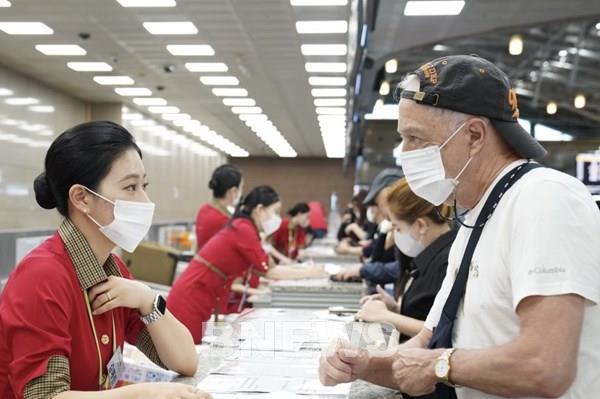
(257, 39)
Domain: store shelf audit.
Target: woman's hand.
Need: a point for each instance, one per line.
(372, 311)
(173, 391)
(383, 296)
(121, 292)
(348, 272)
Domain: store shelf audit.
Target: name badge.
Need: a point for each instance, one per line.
(115, 368)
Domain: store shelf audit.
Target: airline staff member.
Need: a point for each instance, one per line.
(69, 305)
(233, 252)
(226, 184)
(291, 235)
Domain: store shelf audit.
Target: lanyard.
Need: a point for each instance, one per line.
(103, 382)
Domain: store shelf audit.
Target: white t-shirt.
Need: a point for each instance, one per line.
(543, 239)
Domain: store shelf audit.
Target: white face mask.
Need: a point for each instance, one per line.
(231, 209)
(407, 244)
(370, 216)
(132, 221)
(270, 226)
(425, 173)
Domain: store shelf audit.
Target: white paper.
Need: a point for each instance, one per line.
(232, 384)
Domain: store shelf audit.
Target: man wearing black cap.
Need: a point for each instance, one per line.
(381, 266)
(518, 314)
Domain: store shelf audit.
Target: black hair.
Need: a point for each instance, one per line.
(223, 178)
(260, 195)
(300, 207)
(82, 155)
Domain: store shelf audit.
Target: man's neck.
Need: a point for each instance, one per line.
(486, 175)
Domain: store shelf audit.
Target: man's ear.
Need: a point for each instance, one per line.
(477, 130)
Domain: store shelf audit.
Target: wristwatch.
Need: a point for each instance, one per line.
(443, 367)
(159, 308)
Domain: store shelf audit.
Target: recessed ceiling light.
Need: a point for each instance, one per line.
(314, 27)
(324, 49)
(60, 49)
(515, 45)
(176, 117)
(579, 101)
(5, 3)
(320, 67)
(21, 101)
(5, 92)
(384, 89)
(25, 28)
(133, 91)
(163, 110)
(206, 67)
(147, 3)
(551, 108)
(330, 102)
(391, 66)
(171, 28)
(253, 117)
(90, 66)
(331, 111)
(320, 3)
(113, 80)
(239, 102)
(190, 49)
(150, 101)
(246, 110)
(227, 92)
(219, 80)
(42, 108)
(142, 123)
(444, 7)
(132, 116)
(328, 92)
(326, 81)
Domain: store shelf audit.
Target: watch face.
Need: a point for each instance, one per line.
(161, 305)
(441, 368)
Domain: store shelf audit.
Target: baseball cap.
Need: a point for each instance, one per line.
(473, 85)
(383, 179)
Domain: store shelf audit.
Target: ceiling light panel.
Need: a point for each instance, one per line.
(60, 49)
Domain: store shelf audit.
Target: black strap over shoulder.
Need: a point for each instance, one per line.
(442, 334)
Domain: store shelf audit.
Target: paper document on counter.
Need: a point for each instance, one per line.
(231, 384)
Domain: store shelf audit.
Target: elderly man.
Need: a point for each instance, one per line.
(521, 318)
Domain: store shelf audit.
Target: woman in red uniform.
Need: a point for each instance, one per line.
(69, 305)
(290, 238)
(226, 184)
(235, 251)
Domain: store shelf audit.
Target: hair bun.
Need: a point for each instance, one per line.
(43, 192)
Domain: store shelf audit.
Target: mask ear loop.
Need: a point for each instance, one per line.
(101, 197)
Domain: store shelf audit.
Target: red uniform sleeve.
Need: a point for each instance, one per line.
(36, 308)
(280, 238)
(251, 249)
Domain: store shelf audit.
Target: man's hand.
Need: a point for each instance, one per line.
(341, 362)
(414, 370)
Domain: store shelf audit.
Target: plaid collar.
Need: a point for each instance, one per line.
(88, 269)
(221, 208)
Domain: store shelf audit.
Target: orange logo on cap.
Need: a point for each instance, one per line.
(512, 101)
(430, 73)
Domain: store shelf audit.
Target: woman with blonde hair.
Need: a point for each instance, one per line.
(422, 232)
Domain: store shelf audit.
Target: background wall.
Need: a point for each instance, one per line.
(178, 176)
(299, 179)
